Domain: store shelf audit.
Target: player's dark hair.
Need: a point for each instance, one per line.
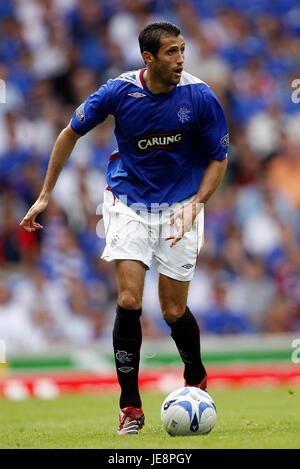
(149, 38)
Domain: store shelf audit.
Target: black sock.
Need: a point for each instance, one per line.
(127, 340)
(186, 335)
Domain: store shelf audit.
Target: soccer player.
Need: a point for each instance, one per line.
(172, 154)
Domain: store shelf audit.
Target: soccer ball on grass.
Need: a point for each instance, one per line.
(188, 411)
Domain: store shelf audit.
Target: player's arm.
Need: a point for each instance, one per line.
(61, 151)
(89, 114)
(212, 178)
(185, 217)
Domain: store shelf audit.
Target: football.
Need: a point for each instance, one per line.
(188, 411)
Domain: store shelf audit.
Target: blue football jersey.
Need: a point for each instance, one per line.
(165, 140)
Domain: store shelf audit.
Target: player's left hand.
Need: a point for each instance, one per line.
(183, 221)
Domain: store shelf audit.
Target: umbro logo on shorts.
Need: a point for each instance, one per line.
(187, 266)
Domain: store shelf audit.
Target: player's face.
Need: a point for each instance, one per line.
(167, 66)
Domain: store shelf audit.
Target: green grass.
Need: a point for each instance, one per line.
(247, 418)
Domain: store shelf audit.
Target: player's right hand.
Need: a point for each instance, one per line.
(28, 222)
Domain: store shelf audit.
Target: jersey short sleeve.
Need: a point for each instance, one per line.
(213, 126)
(93, 110)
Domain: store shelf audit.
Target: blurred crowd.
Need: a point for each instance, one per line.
(54, 289)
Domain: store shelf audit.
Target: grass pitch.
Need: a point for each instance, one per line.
(247, 418)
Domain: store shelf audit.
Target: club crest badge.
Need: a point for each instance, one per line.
(184, 114)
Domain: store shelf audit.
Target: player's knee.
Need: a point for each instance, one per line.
(172, 312)
(129, 300)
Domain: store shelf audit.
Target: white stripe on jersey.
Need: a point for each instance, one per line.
(188, 79)
(133, 77)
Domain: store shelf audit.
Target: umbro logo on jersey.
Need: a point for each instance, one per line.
(158, 141)
(137, 94)
(187, 266)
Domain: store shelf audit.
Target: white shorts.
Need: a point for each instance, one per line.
(140, 235)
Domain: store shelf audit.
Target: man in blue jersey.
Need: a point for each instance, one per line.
(172, 154)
